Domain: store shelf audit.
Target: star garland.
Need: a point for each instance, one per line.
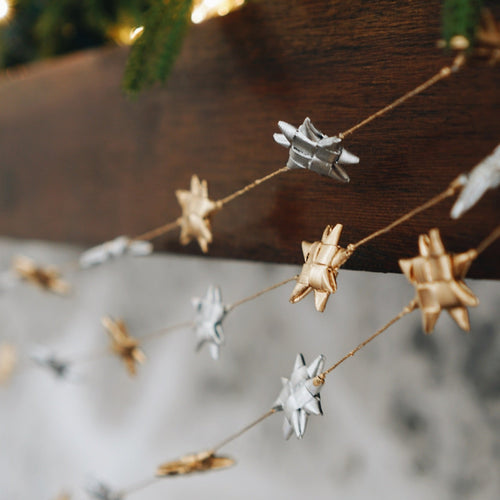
(308, 148)
(438, 278)
(300, 395)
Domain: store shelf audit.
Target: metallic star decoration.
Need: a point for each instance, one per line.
(209, 314)
(197, 210)
(300, 396)
(8, 361)
(59, 367)
(123, 344)
(100, 491)
(311, 149)
(122, 245)
(199, 462)
(438, 280)
(322, 262)
(484, 176)
(47, 278)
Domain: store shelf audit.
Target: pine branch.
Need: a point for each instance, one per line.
(153, 55)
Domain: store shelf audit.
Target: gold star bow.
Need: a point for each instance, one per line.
(198, 462)
(438, 280)
(488, 38)
(323, 260)
(197, 210)
(47, 278)
(123, 344)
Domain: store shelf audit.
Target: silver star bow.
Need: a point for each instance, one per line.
(59, 367)
(313, 150)
(484, 176)
(300, 396)
(100, 491)
(209, 313)
(114, 248)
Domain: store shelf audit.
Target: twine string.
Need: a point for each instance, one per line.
(224, 201)
(232, 306)
(140, 485)
(245, 429)
(450, 191)
(164, 331)
(406, 310)
(493, 236)
(440, 75)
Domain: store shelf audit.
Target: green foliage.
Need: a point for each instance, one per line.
(460, 17)
(154, 53)
(44, 28)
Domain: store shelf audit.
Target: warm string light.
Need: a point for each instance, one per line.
(5, 10)
(206, 9)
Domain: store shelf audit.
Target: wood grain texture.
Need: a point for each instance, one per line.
(81, 163)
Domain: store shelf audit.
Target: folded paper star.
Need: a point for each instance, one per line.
(438, 280)
(199, 462)
(114, 248)
(300, 396)
(100, 491)
(8, 361)
(197, 211)
(484, 176)
(312, 150)
(47, 278)
(322, 262)
(123, 344)
(209, 314)
(488, 38)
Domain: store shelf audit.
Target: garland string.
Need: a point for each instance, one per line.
(320, 379)
(494, 235)
(440, 75)
(444, 72)
(449, 191)
(232, 306)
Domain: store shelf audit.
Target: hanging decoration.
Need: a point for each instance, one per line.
(308, 148)
(312, 150)
(488, 38)
(60, 368)
(484, 176)
(209, 314)
(437, 276)
(197, 462)
(300, 396)
(112, 249)
(122, 344)
(197, 210)
(322, 262)
(438, 280)
(101, 491)
(47, 278)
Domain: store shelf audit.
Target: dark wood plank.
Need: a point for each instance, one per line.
(81, 163)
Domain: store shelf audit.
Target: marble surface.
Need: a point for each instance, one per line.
(410, 416)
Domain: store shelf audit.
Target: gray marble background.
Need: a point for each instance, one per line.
(410, 416)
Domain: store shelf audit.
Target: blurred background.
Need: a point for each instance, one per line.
(410, 416)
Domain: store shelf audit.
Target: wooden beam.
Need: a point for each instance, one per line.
(82, 163)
